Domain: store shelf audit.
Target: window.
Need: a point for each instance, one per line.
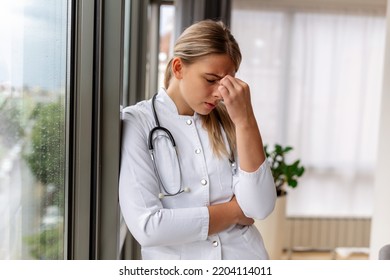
(33, 98)
(166, 33)
(316, 76)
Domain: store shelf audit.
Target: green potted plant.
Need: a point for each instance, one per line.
(284, 174)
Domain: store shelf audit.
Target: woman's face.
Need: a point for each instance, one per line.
(198, 84)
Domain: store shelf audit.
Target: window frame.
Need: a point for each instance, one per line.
(96, 86)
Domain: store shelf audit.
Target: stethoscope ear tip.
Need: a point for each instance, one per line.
(161, 195)
(186, 189)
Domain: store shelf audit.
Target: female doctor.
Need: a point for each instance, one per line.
(193, 171)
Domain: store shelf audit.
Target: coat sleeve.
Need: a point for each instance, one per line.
(142, 210)
(256, 192)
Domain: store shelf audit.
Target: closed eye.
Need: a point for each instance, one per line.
(211, 81)
(212, 78)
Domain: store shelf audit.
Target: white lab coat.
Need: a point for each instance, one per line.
(176, 227)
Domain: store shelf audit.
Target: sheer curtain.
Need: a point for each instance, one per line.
(316, 79)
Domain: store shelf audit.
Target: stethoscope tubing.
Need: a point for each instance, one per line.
(158, 127)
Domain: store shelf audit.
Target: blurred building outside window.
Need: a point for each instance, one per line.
(33, 81)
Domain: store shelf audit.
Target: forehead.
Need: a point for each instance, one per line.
(218, 64)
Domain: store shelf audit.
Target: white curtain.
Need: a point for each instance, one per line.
(315, 78)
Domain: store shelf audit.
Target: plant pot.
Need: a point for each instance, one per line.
(273, 229)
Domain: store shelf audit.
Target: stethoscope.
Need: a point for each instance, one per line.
(168, 134)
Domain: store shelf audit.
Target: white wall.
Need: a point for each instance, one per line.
(325, 4)
(380, 229)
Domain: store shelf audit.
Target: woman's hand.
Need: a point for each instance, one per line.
(236, 97)
(241, 218)
(224, 215)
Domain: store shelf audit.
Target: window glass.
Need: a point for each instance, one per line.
(33, 82)
(167, 17)
(315, 78)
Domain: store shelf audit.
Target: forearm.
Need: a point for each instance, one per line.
(236, 96)
(166, 227)
(249, 145)
(220, 218)
(224, 215)
(255, 191)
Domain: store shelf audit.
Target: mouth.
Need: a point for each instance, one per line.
(210, 105)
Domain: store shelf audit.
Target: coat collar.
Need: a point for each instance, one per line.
(169, 106)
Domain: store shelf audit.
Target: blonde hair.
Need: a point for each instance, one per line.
(200, 39)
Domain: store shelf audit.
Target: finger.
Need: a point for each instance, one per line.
(228, 82)
(235, 82)
(246, 221)
(224, 92)
(234, 85)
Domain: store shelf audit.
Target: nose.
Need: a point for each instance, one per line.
(217, 94)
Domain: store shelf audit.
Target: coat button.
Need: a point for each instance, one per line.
(215, 243)
(189, 122)
(203, 182)
(197, 151)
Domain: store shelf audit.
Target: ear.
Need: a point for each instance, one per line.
(177, 68)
